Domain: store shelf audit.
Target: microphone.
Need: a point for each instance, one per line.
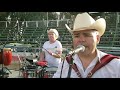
(78, 49)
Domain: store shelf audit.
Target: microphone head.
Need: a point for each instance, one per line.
(82, 48)
(79, 48)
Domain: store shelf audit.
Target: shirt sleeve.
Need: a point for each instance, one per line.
(44, 46)
(59, 46)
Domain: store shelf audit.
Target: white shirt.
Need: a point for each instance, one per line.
(54, 47)
(111, 70)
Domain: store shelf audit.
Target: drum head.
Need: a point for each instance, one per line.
(6, 49)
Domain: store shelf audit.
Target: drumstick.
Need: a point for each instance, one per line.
(46, 49)
(49, 53)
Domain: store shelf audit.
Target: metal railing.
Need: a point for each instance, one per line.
(34, 24)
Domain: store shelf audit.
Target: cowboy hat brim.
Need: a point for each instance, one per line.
(85, 22)
(98, 25)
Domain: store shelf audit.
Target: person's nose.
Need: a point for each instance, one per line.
(81, 38)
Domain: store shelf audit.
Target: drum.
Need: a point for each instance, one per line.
(50, 71)
(6, 56)
(29, 71)
(46, 72)
(42, 63)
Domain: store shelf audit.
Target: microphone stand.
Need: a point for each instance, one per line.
(63, 65)
(2, 70)
(62, 69)
(70, 60)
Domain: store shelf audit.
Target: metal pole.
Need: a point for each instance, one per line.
(116, 27)
(47, 19)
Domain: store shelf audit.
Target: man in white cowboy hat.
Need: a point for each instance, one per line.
(52, 49)
(86, 35)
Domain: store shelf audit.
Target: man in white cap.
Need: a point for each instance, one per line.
(86, 58)
(52, 49)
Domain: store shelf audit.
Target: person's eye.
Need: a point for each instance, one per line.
(76, 36)
(87, 35)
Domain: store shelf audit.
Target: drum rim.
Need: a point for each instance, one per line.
(7, 49)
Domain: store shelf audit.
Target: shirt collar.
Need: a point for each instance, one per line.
(100, 54)
(97, 57)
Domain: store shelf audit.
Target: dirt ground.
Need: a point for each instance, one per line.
(13, 68)
(15, 65)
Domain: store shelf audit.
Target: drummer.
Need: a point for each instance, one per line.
(52, 49)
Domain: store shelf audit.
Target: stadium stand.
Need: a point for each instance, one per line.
(34, 32)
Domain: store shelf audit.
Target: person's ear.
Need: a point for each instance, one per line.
(98, 38)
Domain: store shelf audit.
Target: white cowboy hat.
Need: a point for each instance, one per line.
(84, 21)
(54, 31)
